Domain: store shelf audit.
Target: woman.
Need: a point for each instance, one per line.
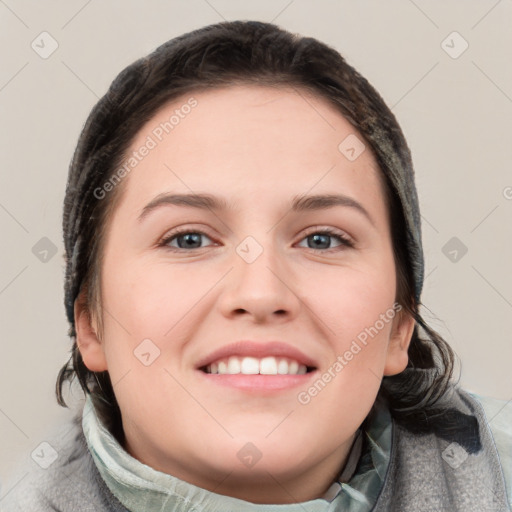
(244, 272)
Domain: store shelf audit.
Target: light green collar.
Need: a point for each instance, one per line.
(141, 488)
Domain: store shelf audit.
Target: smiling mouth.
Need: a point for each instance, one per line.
(270, 365)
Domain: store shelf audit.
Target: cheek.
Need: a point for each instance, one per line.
(352, 299)
(153, 301)
(359, 311)
(358, 308)
(150, 299)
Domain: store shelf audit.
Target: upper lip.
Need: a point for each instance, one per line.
(259, 350)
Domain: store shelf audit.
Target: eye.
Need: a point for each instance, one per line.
(185, 239)
(321, 239)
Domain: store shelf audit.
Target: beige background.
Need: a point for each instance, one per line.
(456, 114)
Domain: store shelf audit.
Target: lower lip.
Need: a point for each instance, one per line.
(259, 383)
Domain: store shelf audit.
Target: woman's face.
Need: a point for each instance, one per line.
(252, 263)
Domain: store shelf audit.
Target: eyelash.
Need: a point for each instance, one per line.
(345, 242)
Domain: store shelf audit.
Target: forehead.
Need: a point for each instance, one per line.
(301, 119)
(266, 139)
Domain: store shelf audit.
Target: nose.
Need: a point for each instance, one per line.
(262, 290)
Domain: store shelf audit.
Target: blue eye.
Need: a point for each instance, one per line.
(321, 240)
(185, 239)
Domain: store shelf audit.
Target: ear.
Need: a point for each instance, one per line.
(399, 341)
(90, 346)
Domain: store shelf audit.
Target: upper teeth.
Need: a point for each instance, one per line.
(252, 366)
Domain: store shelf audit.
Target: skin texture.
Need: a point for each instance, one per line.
(257, 147)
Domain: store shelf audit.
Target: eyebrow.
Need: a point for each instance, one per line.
(200, 201)
(210, 202)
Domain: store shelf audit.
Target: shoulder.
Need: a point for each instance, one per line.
(498, 414)
(59, 475)
(456, 464)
